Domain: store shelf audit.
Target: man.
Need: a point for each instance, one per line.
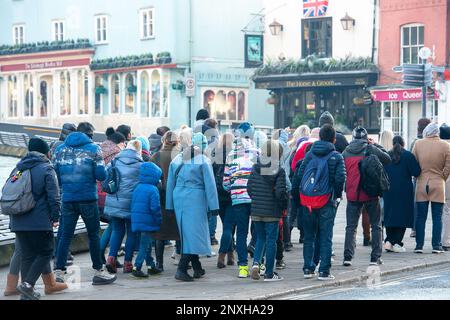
(79, 164)
(125, 130)
(155, 139)
(200, 118)
(341, 142)
(319, 223)
(360, 147)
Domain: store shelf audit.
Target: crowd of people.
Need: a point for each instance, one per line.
(173, 185)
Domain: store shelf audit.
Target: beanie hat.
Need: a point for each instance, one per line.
(38, 145)
(144, 142)
(246, 130)
(360, 133)
(67, 129)
(199, 140)
(202, 114)
(444, 132)
(431, 130)
(326, 118)
(135, 145)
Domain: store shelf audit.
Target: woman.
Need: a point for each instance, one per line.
(386, 139)
(445, 135)
(162, 159)
(433, 155)
(300, 134)
(191, 193)
(399, 200)
(118, 205)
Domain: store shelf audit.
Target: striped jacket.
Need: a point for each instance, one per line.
(238, 170)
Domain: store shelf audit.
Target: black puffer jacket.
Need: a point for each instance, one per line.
(267, 190)
(341, 142)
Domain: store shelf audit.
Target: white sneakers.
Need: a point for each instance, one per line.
(398, 249)
(388, 247)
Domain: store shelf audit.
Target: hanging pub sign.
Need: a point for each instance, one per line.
(254, 50)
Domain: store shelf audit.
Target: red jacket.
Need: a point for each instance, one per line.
(301, 153)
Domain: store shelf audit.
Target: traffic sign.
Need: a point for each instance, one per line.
(190, 85)
(418, 75)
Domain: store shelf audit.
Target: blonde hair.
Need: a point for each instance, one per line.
(386, 139)
(315, 133)
(135, 145)
(301, 132)
(186, 137)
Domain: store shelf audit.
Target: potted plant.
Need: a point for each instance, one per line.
(132, 89)
(163, 58)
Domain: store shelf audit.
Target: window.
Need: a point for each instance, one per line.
(101, 26)
(98, 96)
(317, 37)
(156, 94)
(225, 104)
(165, 96)
(147, 23)
(58, 30)
(412, 42)
(19, 34)
(28, 96)
(64, 94)
(115, 96)
(131, 93)
(44, 95)
(144, 94)
(393, 117)
(83, 88)
(12, 96)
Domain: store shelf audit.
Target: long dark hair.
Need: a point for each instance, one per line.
(397, 150)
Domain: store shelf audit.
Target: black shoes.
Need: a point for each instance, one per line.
(367, 243)
(183, 276)
(154, 271)
(199, 273)
(214, 241)
(28, 292)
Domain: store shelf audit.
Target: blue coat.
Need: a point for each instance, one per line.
(46, 194)
(145, 205)
(79, 164)
(399, 200)
(118, 205)
(191, 196)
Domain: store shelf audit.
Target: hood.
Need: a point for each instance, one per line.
(129, 156)
(322, 148)
(77, 139)
(155, 142)
(150, 174)
(270, 171)
(31, 160)
(357, 146)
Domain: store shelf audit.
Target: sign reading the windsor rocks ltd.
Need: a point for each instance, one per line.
(45, 65)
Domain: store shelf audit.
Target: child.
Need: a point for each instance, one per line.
(146, 216)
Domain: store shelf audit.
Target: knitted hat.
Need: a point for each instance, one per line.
(360, 133)
(247, 130)
(326, 118)
(444, 132)
(432, 130)
(144, 142)
(199, 140)
(38, 145)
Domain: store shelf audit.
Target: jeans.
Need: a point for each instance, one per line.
(119, 228)
(36, 253)
(104, 241)
(422, 213)
(266, 235)
(212, 222)
(225, 210)
(353, 213)
(145, 252)
(16, 261)
(59, 234)
(239, 216)
(395, 235)
(88, 211)
(318, 228)
(184, 262)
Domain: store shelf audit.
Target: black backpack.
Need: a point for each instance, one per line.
(373, 178)
(112, 182)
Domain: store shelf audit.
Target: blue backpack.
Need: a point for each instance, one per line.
(315, 188)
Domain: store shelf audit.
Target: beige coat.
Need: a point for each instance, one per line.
(433, 155)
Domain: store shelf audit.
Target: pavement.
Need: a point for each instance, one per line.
(224, 284)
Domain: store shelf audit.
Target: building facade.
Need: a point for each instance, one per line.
(127, 62)
(323, 58)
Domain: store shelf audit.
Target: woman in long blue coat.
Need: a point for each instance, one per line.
(191, 192)
(399, 200)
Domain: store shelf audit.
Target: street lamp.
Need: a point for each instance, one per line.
(275, 28)
(347, 22)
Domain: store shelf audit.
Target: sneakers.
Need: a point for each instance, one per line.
(154, 271)
(199, 273)
(183, 276)
(347, 263)
(28, 292)
(446, 248)
(274, 277)
(325, 277)
(388, 247)
(243, 272)
(398, 248)
(413, 234)
(418, 250)
(138, 273)
(376, 262)
(262, 269)
(111, 264)
(438, 250)
(102, 277)
(214, 241)
(255, 272)
(127, 267)
(280, 265)
(288, 247)
(309, 274)
(60, 276)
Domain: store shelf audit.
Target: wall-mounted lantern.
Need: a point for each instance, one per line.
(347, 22)
(275, 28)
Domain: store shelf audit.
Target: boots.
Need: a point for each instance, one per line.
(11, 285)
(221, 260)
(51, 286)
(111, 265)
(230, 260)
(127, 267)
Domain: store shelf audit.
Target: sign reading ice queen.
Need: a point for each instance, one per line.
(254, 50)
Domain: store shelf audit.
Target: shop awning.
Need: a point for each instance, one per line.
(399, 94)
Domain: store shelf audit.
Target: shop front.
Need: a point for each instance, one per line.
(301, 99)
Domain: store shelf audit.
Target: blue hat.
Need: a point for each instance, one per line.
(247, 130)
(199, 140)
(144, 142)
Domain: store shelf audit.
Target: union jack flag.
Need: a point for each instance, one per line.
(315, 8)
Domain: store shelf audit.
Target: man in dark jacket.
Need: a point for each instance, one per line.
(67, 129)
(34, 230)
(359, 148)
(155, 139)
(79, 164)
(319, 223)
(341, 142)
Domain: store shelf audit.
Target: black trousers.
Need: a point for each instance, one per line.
(395, 235)
(184, 262)
(37, 251)
(159, 250)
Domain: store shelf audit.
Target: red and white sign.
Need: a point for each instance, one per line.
(399, 95)
(45, 65)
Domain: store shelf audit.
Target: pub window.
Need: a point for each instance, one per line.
(412, 38)
(226, 104)
(115, 96)
(145, 94)
(130, 97)
(19, 34)
(64, 94)
(317, 37)
(156, 94)
(147, 23)
(83, 87)
(28, 96)
(12, 96)
(101, 26)
(58, 30)
(98, 96)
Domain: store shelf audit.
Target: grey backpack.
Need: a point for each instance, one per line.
(17, 196)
